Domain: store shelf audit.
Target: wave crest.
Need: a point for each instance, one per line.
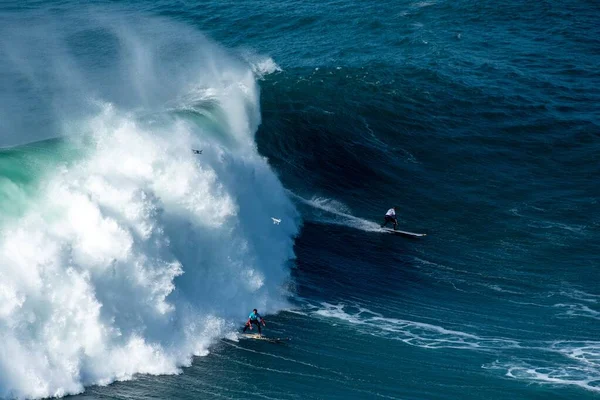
(130, 253)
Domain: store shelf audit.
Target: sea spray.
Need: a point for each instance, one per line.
(132, 253)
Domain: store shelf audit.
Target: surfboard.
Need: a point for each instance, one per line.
(256, 336)
(404, 233)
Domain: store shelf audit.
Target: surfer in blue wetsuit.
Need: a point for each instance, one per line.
(254, 319)
(390, 216)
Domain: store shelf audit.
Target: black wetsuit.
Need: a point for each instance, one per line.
(253, 319)
(253, 322)
(390, 218)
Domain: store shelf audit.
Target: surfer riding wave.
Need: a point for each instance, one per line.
(390, 216)
(254, 319)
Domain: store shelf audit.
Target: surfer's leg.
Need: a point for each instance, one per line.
(259, 330)
(385, 222)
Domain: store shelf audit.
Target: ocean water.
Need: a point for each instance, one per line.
(128, 263)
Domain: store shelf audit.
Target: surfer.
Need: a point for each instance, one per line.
(256, 319)
(390, 216)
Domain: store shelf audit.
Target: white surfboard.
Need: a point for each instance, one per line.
(256, 336)
(404, 233)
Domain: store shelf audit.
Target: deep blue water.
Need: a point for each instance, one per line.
(479, 120)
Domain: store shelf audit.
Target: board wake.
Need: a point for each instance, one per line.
(256, 336)
(403, 233)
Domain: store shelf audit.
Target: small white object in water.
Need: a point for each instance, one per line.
(276, 221)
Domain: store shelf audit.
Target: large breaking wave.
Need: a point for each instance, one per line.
(121, 251)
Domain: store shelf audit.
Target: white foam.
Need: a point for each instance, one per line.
(265, 67)
(587, 352)
(138, 254)
(577, 310)
(260, 65)
(411, 332)
(336, 213)
(421, 4)
(574, 375)
(581, 295)
(580, 365)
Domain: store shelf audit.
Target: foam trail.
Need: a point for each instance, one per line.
(128, 253)
(336, 213)
(410, 332)
(579, 375)
(578, 363)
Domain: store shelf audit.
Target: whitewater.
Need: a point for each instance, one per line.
(122, 251)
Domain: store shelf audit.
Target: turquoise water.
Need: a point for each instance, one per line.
(128, 263)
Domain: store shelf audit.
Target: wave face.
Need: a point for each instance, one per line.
(121, 251)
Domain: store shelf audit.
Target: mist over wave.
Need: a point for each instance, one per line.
(124, 252)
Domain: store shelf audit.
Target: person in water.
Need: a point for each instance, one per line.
(254, 319)
(390, 216)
